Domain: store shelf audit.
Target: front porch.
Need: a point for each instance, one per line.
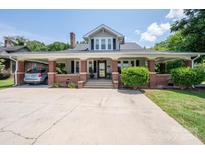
(79, 71)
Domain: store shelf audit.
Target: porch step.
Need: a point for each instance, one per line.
(99, 84)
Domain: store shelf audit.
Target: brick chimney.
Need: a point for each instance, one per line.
(72, 40)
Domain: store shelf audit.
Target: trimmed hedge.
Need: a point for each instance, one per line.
(135, 76)
(185, 76)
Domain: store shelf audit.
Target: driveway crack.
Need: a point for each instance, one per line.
(17, 134)
(55, 123)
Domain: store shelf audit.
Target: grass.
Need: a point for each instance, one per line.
(6, 83)
(185, 106)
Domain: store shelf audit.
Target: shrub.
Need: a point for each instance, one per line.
(4, 74)
(185, 76)
(135, 76)
(56, 85)
(72, 85)
(200, 70)
(174, 64)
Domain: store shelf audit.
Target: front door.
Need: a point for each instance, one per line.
(102, 69)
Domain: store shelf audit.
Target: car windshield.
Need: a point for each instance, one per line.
(36, 71)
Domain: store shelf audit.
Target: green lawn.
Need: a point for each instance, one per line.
(6, 83)
(186, 106)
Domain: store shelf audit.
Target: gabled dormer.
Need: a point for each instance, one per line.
(104, 38)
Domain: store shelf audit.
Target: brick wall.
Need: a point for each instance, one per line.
(63, 78)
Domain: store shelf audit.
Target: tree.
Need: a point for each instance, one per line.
(192, 28)
(173, 42)
(36, 46)
(20, 40)
(57, 46)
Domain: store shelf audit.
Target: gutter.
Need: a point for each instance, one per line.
(192, 61)
(15, 73)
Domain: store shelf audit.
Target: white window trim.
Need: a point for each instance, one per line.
(106, 43)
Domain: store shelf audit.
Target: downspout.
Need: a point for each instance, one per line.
(15, 73)
(192, 61)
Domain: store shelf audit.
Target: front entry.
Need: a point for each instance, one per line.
(102, 69)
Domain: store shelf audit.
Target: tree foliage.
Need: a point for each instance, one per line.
(36, 46)
(188, 33)
(57, 46)
(192, 28)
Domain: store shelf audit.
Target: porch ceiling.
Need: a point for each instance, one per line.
(102, 54)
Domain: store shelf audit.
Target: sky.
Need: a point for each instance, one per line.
(145, 27)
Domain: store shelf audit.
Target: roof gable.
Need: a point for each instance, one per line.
(101, 27)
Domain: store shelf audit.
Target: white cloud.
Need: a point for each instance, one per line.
(175, 14)
(137, 31)
(154, 30)
(148, 37)
(7, 30)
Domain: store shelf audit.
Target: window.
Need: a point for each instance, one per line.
(119, 66)
(114, 44)
(109, 44)
(72, 66)
(77, 66)
(97, 44)
(95, 66)
(92, 44)
(90, 66)
(132, 63)
(125, 63)
(137, 63)
(103, 44)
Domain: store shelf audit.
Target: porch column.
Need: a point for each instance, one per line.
(162, 67)
(151, 65)
(83, 70)
(51, 72)
(188, 63)
(20, 72)
(115, 74)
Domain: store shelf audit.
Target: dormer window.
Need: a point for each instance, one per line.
(109, 44)
(97, 44)
(104, 43)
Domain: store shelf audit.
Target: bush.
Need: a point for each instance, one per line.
(174, 64)
(72, 85)
(200, 70)
(185, 76)
(4, 74)
(56, 85)
(135, 76)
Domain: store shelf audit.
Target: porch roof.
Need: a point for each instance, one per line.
(150, 54)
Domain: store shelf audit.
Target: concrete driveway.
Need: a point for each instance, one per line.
(37, 115)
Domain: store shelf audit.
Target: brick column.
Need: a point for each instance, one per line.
(115, 74)
(152, 80)
(51, 72)
(188, 63)
(83, 70)
(20, 72)
(151, 65)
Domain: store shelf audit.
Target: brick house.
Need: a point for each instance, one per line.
(101, 57)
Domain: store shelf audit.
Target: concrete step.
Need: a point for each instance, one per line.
(99, 84)
(104, 87)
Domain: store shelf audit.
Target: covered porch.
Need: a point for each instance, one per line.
(83, 66)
